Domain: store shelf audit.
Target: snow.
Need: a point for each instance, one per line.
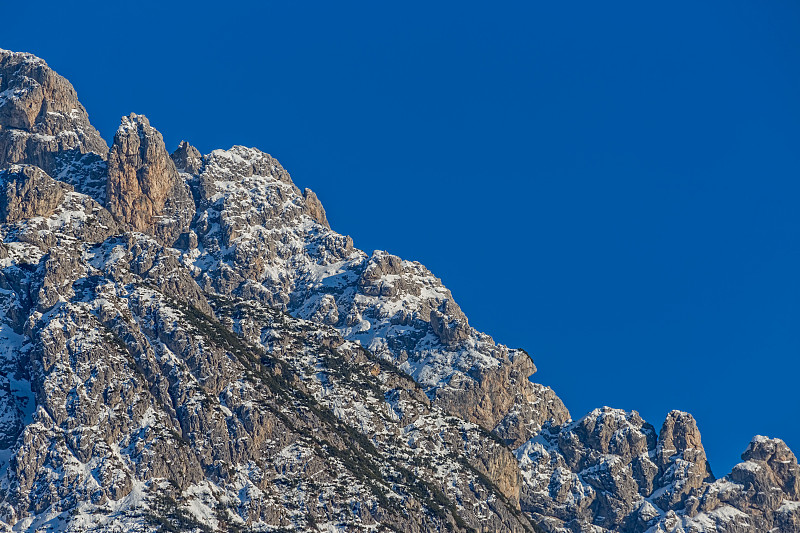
(789, 506)
(260, 220)
(749, 466)
(202, 498)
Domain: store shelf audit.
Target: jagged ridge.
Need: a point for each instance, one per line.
(204, 352)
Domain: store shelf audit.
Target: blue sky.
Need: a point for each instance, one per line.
(611, 186)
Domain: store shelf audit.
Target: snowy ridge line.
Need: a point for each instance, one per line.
(189, 345)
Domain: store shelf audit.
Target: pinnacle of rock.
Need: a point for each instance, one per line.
(187, 158)
(314, 208)
(679, 435)
(682, 458)
(144, 188)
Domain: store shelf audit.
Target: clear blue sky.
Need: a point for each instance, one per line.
(612, 186)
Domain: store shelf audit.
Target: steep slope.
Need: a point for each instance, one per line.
(143, 187)
(144, 403)
(42, 123)
(257, 238)
(188, 345)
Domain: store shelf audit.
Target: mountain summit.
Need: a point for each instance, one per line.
(186, 345)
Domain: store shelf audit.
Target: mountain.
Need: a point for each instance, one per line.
(187, 345)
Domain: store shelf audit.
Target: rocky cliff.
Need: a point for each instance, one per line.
(186, 345)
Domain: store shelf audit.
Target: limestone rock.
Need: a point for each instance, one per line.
(217, 357)
(187, 158)
(779, 459)
(768, 476)
(41, 120)
(682, 459)
(27, 191)
(144, 189)
(502, 398)
(314, 208)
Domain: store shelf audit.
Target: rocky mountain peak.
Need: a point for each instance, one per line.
(679, 434)
(775, 457)
(187, 158)
(144, 189)
(682, 460)
(41, 120)
(187, 345)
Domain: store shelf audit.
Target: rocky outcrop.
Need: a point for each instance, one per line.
(27, 191)
(213, 356)
(187, 158)
(314, 208)
(610, 469)
(503, 399)
(758, 495)
(597, 470)
(144, 189)
(779, 463)
(682, 462)
(767, 477)
(42, 122)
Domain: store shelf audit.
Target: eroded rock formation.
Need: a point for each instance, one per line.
(186, 344)
(144, 189)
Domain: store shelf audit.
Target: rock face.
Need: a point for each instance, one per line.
(682, 461)
(611, 472)
(27, 191)
(777, 462)
(144, 189)
(42, 122)
(315, 209)
(187, 158)
(186, 345)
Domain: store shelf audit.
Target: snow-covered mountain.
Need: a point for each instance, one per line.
(186, 345)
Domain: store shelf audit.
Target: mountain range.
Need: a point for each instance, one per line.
(187, 345)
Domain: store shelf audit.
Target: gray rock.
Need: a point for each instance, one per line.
(27, 191)
(144, 189)
(42, 123)
(187, 158)
(218, 357)
(779, 460)
(682, 460)
(314, 208)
